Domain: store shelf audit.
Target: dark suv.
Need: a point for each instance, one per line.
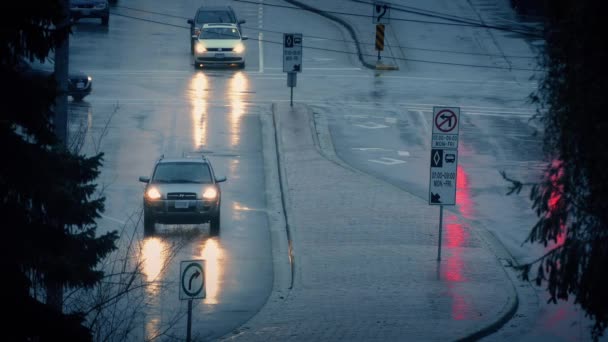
(211, 15)
(182, 190)
(90, 9)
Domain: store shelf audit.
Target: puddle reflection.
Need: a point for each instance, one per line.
(154, 258)
(199, 100)
(237, 91)
(212, 253)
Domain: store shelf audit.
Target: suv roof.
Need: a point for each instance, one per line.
(215, 8)
(196, 158)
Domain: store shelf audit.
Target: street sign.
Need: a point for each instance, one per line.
(446, 122)
(292, 52)
(192, 279)
(381, 12)
(444, 156)
(442, 185)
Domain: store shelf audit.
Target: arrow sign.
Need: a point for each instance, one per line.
(192, 279)
(195, 275)
(446, 121)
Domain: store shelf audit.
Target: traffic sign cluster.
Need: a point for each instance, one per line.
(444, 156)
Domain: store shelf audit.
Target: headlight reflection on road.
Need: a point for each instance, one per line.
(154, 258)
(198, 99)
(212, 253)
(238, 88)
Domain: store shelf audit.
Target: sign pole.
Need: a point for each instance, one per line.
(191, 286)
(189, 332)
(440, 230)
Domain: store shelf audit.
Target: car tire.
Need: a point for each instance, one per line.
(214, 225)
(148, 224)
(77, 98)
(105, 20)
(242, 65)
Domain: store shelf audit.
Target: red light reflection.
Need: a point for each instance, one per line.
(463, 193)
(555, 202)
(456, 237)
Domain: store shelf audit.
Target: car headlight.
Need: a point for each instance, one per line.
(239, 48)
(153, 193)
(200, 48)
(210, 193)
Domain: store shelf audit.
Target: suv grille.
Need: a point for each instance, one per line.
(219, 49)
(181, 195)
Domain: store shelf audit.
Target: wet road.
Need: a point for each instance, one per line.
(154, 102)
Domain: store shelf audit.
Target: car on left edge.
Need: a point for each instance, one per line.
(79, 83)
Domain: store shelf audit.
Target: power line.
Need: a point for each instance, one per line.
(343, 52)
(455, 22)
(341, 40)
(434, 14)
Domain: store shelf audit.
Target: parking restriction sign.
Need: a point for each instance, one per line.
(444, 156)
(292, 52)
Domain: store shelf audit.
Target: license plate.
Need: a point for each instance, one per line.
(79, 85)
(219, 55)
(181, 204)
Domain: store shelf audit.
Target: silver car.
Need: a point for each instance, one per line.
(219, 44)
(183, 190)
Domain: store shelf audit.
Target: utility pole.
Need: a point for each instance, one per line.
(54, 289)
(62, 58)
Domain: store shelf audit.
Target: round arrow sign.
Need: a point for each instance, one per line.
(193, 279)
(446, 120)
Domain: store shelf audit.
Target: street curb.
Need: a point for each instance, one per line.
(324, 144)
(280, 234)
(346, 25)
(278, 147)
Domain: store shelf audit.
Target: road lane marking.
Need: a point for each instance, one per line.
(261, 50)
(391, 120)
(261, 36)
(370, 149)
(403, 153)
(371, 125)
(387, 161)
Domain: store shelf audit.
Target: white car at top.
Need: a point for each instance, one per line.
(219, 44)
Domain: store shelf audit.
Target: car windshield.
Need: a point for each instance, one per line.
(220, 33)
(182, 173)
(207, 17)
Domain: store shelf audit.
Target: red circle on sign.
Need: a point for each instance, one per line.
(451, 116)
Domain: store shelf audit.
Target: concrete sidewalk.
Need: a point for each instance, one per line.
(364, 257)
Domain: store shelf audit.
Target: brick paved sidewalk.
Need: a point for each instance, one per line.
(365, 258)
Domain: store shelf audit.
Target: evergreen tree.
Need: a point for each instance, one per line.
(47, 202)
(571, 200)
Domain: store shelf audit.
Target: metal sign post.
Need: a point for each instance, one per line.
(444, 161)
(292, 59)
(292, 80)
(191, 286)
